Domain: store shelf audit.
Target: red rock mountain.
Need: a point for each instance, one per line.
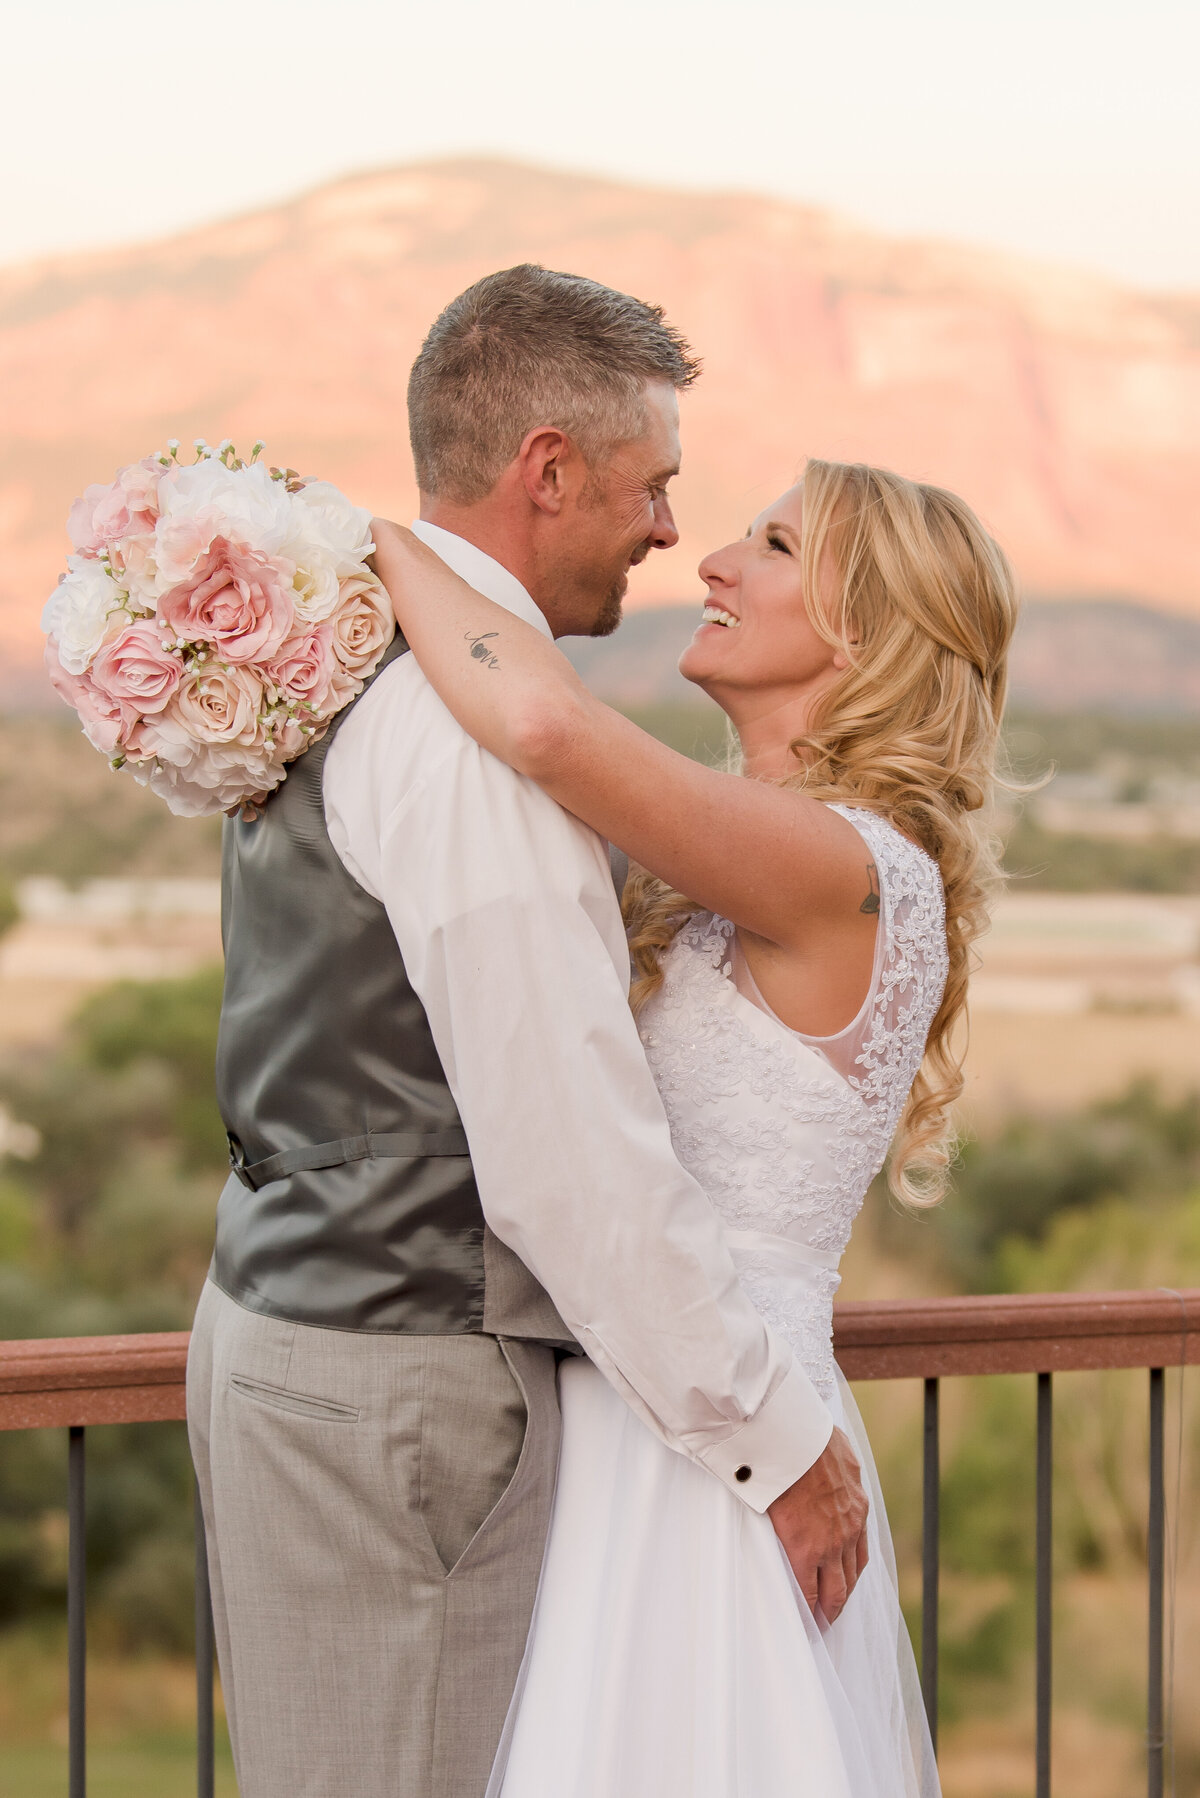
(1066, 408)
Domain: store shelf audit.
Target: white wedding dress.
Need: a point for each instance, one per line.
(671, 1654)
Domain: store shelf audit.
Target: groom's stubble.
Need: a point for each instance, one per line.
(620, 514)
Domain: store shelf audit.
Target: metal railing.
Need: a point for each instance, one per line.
(76, 1382)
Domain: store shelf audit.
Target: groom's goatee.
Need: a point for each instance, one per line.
(609, 615)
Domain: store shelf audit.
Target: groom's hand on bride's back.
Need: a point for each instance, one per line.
(822, 1523)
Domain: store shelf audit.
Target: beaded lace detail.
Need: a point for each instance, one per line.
(786, 1132)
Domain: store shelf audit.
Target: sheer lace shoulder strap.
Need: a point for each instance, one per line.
(910, 964)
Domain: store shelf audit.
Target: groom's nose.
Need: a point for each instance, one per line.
(665, 533)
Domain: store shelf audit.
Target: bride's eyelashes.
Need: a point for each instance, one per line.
(774, 542)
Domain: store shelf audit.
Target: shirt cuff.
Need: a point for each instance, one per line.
(776, 1446)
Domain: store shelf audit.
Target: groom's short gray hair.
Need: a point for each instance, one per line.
(528, 347)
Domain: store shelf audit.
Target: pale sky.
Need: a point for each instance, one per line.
(1060, 128)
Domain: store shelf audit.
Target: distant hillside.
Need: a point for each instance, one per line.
(1066, 408)
(1069, 656)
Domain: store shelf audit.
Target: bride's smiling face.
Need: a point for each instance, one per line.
(757, 638)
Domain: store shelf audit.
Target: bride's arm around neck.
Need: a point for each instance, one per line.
(782, 866)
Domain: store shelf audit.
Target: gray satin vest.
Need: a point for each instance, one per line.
(352, 1204)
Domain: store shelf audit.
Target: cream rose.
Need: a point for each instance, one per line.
(363, 625)
(215, 704)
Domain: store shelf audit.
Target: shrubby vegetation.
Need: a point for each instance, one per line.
(1101, 1199)
(1052, 862)
(73, 818)
(1144, 1239)
(1013, 1186)
(108, 1228)
(1074, 742)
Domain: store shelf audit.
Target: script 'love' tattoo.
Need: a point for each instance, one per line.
(480, 650)
(870, 904)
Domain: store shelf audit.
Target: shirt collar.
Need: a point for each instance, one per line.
(482, 572)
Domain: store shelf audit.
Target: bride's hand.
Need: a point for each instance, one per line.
(392, 545)
(399, 556)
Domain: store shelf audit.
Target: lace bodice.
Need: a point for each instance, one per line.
(786, 1132)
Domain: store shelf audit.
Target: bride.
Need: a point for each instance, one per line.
(800, 935)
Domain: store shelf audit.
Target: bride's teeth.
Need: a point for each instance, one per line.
(715, 615)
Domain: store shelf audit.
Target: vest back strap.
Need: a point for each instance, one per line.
(407, 1145)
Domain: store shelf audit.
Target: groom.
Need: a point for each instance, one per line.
(450, 1163)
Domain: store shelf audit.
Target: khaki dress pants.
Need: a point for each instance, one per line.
(376, 1509)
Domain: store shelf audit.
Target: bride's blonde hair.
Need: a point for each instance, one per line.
(903, 579)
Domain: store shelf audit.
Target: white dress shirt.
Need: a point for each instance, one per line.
(504, 911)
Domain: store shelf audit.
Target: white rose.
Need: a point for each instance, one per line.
(78, 612)
(316, 590)
(330, 528)
(244, 504)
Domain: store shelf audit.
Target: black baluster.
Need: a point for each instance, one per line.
(1156, 1558)
(930, 1532)
(205, 1766)
(1044, 1577)
(76, 1616)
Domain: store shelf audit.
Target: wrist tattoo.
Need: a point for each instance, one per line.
(870, 904)
(480, 650)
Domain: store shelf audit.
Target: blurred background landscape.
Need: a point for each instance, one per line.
(961, 257)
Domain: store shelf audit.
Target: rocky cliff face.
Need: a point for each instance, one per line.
(1065, 408)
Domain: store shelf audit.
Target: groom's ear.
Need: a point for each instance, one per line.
(547, 460)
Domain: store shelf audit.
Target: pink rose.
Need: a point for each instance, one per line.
(363, 625)
(104, 721)
(303, 667)
(147, 738)
(295, 735)
(181, 541)
(237, 600)
(132, 562)
(218, 705)
(105, 514)
(135, 671)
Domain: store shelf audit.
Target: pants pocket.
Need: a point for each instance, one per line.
(301, 1404)
(473, 1424)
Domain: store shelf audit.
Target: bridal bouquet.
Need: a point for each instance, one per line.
(215, 617)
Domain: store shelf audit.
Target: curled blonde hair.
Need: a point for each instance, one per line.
(903, 579)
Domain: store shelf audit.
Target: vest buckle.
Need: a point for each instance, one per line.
(238, 1164)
